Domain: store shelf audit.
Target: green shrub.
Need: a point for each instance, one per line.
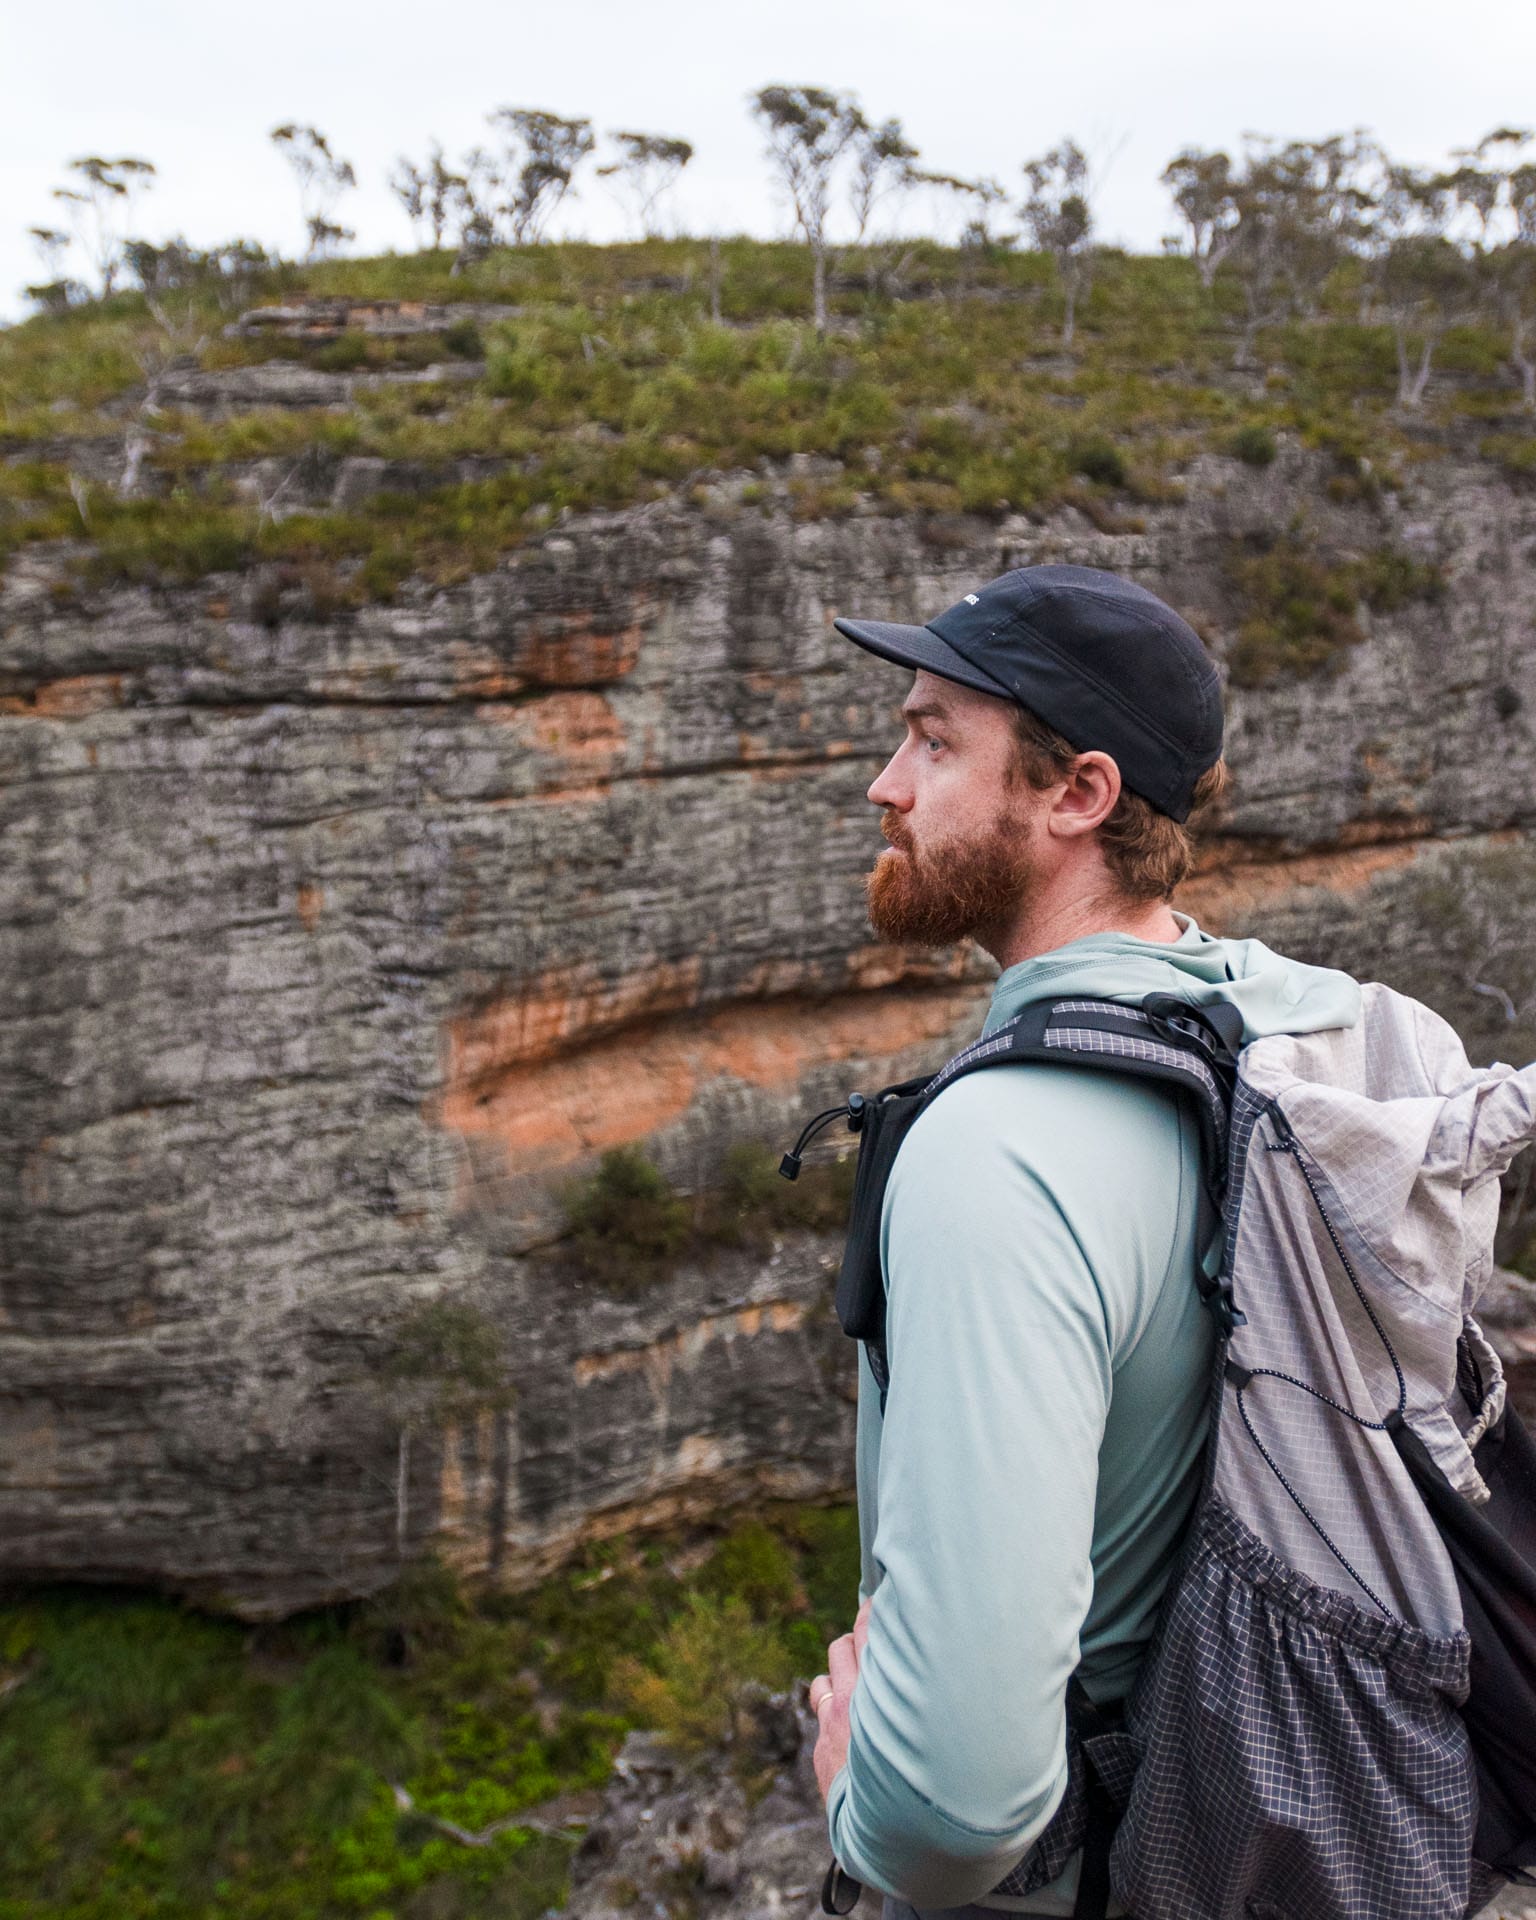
(826, 1545)
(1254, 445)
(753, 1565)
(347, 352)
(710, 1661)
(1390, 578)
(513, 374)
(463, 340)
(1514, 452)
(1098, 460)
(626, 1223)
(752, 1200)
(1300, 610)
(627, 1227)
(1300, 613)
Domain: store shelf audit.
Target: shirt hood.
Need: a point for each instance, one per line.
(1273, 994)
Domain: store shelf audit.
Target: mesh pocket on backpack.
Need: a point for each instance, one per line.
(1298, 1755)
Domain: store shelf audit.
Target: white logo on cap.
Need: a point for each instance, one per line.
(971, 600)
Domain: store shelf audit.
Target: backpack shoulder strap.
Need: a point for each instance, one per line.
(1192, 1049)
(1164, 1039)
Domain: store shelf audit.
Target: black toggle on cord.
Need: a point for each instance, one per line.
(852, 1110)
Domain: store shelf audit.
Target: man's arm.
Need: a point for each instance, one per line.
(1000, 1375)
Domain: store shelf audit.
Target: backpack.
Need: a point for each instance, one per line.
(1336, 1717)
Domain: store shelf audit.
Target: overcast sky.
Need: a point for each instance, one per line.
(980, 85)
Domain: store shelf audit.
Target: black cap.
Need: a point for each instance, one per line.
(1103, 661)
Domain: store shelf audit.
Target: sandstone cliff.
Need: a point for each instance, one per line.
(336, 940)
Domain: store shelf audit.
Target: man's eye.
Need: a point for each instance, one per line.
(930, 742)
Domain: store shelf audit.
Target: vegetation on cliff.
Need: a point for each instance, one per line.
(163, 1766)
(628, 1227)
(579, 378)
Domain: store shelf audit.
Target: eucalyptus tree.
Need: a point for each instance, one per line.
(323, 177)
(1204, 189)
(648, 168)
(1320, 192)
(1421, 279)
(809, 130)
(426, 192)
(57, 293)
(472, 199)
(821, 144)
(1496, 185)
(541, 152)
(1298, 210)
(984, 199)
(98, 203)
(1059, 218)
(1519, 278)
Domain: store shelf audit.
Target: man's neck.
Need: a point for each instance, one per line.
(1045, 924)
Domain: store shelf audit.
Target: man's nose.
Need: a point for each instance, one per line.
(887, 789)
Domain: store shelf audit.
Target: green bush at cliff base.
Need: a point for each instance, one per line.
(707, 1664)
(756, 1566)
(159, 1765)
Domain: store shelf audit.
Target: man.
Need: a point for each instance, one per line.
(1022, 1493)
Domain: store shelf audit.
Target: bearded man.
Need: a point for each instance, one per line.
(1023, 1486)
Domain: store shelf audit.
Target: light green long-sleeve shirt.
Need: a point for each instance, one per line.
(1021, 1498)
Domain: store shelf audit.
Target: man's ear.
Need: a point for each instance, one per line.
(1086, 798)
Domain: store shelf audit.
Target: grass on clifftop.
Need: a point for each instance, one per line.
(611, 384)
(159, 1765)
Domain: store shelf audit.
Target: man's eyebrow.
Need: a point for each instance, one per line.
(926, 710)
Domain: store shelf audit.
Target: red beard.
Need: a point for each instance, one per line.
(961, 890)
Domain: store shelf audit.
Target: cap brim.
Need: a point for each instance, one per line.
(920, 648)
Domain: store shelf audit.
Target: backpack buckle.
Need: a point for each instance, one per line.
(1216, 1029)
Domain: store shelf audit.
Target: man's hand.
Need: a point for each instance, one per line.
(831, 1694)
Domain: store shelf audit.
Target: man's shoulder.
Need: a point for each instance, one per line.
(1046, 1180)
(1008, 1154)
(1044, 1117)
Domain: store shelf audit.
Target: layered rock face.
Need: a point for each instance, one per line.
(336, 945)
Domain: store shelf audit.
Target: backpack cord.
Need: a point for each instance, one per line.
(852, 1110)
(1306, 1512)
(1241, 1377)
(1292, 1146)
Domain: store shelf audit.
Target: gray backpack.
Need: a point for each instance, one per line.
(1336, 1719)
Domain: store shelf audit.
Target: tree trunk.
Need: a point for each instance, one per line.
(135, 445)
(1404, 373)
(1421, 377)
(819, 281)
(1525, 366)
(402, 1490)
(1069, 321)
(714, 279)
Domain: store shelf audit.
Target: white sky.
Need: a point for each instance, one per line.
(980, 85)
